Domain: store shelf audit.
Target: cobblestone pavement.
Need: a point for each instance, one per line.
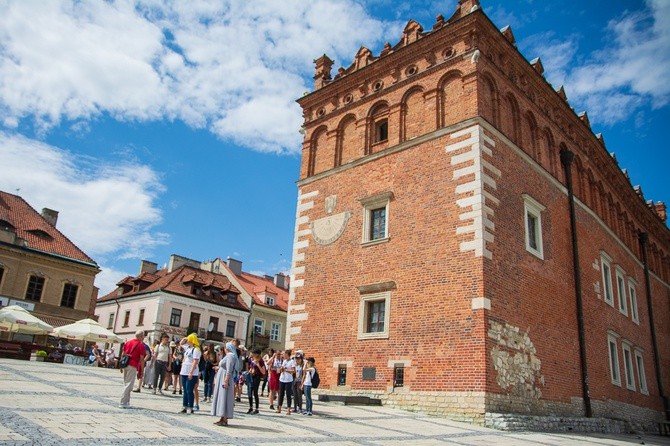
(55, 404)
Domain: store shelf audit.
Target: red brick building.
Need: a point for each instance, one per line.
(445, 191)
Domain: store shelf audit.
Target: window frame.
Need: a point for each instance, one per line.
(371, 204)
(381, 130)
(173, 315)
(620, 278)
(269, 300)
(110, 322)
(363, 315)
(140, 317)
(230, 324)
(399, 375)
(632, 297)
(74, 298)
(262, 321)
(275, 336)
(629, 374)
(2, 274)
(42, 282)
(126, 319)
(608, 290)
(641, 375)
(533, 207)
(614, 360)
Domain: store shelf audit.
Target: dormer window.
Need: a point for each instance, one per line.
(270, 300)
(197, 290)
(41, 234)
(232, 298)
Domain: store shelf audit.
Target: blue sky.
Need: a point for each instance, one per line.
(171, 128)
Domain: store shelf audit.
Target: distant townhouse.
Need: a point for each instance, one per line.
(178, 300)
(267, 297)
(40, 268)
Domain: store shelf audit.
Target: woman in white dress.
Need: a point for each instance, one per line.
(223, 398)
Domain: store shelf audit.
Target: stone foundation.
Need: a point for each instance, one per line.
(518, 413)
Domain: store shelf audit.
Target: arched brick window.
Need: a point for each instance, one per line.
(413, 116)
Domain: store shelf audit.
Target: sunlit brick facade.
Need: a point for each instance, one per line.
(433, 255)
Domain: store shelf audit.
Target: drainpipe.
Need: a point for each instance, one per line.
(644, 239)
(566, 159)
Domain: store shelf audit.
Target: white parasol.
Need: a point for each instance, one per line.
(15, 319)
(85, 330)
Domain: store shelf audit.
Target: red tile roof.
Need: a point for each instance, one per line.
(180, 281)
(254, 285)
(36, 231)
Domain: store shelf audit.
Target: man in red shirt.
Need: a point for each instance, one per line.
(135, 350)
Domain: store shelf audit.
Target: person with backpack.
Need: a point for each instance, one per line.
(310, 379)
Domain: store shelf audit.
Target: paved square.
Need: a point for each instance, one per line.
(56, 404)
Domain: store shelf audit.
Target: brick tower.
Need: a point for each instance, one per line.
(466, 246)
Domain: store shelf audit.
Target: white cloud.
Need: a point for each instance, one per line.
(614, 82)
(107, 279)
(234, 68)
(106, 210)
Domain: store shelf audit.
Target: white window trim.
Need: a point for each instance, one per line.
(641, 376)
(614, 361)
(270, 300)
(628, 365)
(533, 207)
(262, 325)
(363, 315)
(369, 204)
(632, 297)
(607, 281)
(272, 325)
(620, 276)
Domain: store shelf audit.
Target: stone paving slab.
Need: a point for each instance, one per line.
(44, 404)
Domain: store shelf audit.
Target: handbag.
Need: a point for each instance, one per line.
(123, 362)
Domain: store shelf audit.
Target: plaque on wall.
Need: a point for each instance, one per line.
(369, 373)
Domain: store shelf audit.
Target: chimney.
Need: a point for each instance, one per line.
(280, 280)
(235, 266)
(661, 211)
(50, 216)
(177, 261)
(148, 267)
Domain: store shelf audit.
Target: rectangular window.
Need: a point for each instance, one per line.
(69, 295)
(607, 278)
(259, 326)
(621, 290)
(632, 295)
(641, 377)
(35, 287)
(214, 322)
(342, 375)
(381, 130)
(614, 359)
(126, 318)
(533, 223)
(175, 317)
(230, 329)
(140, 319)
(2, 273)
(628, 366)
(377, 224)
(398, 375)
(269, 300)
(193, 323)
(373, 322)
(110, 322)
(275, 331)
(376, 217)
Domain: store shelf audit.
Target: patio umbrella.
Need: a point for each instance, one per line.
(85, 330)
(15, 319)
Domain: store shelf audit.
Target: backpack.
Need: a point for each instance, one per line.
(315, 380)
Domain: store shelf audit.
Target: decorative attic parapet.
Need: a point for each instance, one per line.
(363, 58)
(537, 65)
(322, 69)
(507, 33)
(413, 31)
(585, 118)
(464, 8)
